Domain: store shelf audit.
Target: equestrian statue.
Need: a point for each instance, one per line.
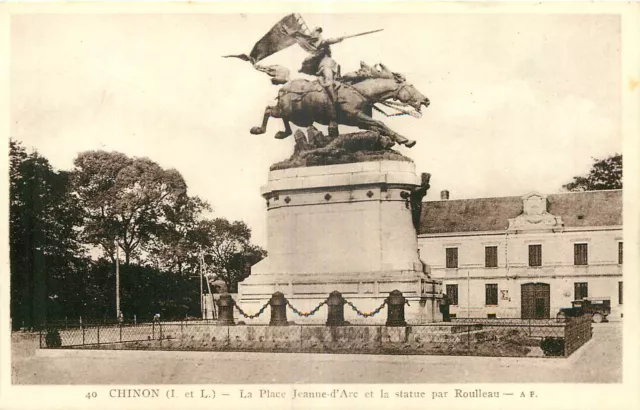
(333, 98)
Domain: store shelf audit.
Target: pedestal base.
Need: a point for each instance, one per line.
(365, 291)
(345, 228)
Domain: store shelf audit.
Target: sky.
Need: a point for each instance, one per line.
(519, 103)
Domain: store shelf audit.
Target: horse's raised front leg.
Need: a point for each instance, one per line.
(262, 129)
(287, 130)
(369, 123)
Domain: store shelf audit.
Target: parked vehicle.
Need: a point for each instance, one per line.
(598, 308)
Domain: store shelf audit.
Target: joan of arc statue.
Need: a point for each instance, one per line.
(322, 65)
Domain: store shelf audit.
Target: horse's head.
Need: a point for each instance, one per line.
(405, 92)
(410, 95)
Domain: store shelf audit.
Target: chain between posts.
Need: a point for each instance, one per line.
(307, 314)
(250, 316)
(375, 312)
(299, 313)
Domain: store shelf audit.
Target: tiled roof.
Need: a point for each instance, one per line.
(590, 208)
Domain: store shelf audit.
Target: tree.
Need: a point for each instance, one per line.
(177, 240)
(45, 254)
(228, 250)
(124, 199)
(605, 174)
(145, 290)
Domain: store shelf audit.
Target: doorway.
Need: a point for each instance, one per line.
(536, 301)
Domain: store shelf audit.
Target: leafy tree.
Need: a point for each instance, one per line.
(144, 291)
(124, 199)
(177, 240)
(110, 197)
(605, 174)
(45, 253)
(228, 250)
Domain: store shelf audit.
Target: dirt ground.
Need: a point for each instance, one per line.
(599, 361)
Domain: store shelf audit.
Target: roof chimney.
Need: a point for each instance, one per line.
(444, 195)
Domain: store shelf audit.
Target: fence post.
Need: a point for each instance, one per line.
(529, 327)
(98, 332)
(395, 313)
(278, 310)
(335, 304)
(121, 331)
(40, 333)
(82, 326)
(469, 339)
(153, 330)
(225, 307)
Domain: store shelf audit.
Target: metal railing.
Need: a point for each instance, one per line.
(508, 337)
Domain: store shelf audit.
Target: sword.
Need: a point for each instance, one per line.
(362, 34)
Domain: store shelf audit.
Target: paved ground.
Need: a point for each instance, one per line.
(599, 361)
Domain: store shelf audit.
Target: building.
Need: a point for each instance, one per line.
(525, 257)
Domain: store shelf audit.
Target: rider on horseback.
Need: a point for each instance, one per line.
(320, 64)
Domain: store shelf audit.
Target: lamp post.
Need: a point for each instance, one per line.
(202, 309)
(117, 281)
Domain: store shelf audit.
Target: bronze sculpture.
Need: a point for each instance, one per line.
(332, 99)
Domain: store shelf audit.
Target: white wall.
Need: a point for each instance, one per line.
(558, 270)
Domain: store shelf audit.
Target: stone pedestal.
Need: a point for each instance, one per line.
(344, 227)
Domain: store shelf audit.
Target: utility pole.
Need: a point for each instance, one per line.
(117, 281)
(202, 315)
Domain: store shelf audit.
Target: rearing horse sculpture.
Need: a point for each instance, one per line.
(304, 103)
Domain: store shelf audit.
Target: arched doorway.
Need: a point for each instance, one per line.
(536, 301)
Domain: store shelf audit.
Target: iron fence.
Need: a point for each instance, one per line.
(461, 336)
(471, 339)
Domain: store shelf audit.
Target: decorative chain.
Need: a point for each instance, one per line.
(375, 312)
(299, 313)
(250, 316)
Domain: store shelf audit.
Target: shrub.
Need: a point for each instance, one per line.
(552, 346)
(53, 338)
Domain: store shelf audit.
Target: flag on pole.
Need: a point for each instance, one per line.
(276, 39)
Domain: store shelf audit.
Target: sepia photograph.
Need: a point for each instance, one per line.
(320, 207)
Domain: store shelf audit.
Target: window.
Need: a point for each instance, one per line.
(452, 257)
(452, 294)
(491, 294)
(620, 293)
(535, 255)
(491, 315)
(491, 257)
(580, 256)
(581, 290)
(620, 253)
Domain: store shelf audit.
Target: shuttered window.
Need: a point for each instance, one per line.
(620, 293)
(581, 290)
(452, 257)
(535, 255)
(491, 257)
(491, 294)
(452, 294)
(580, 254)
(620, 253)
